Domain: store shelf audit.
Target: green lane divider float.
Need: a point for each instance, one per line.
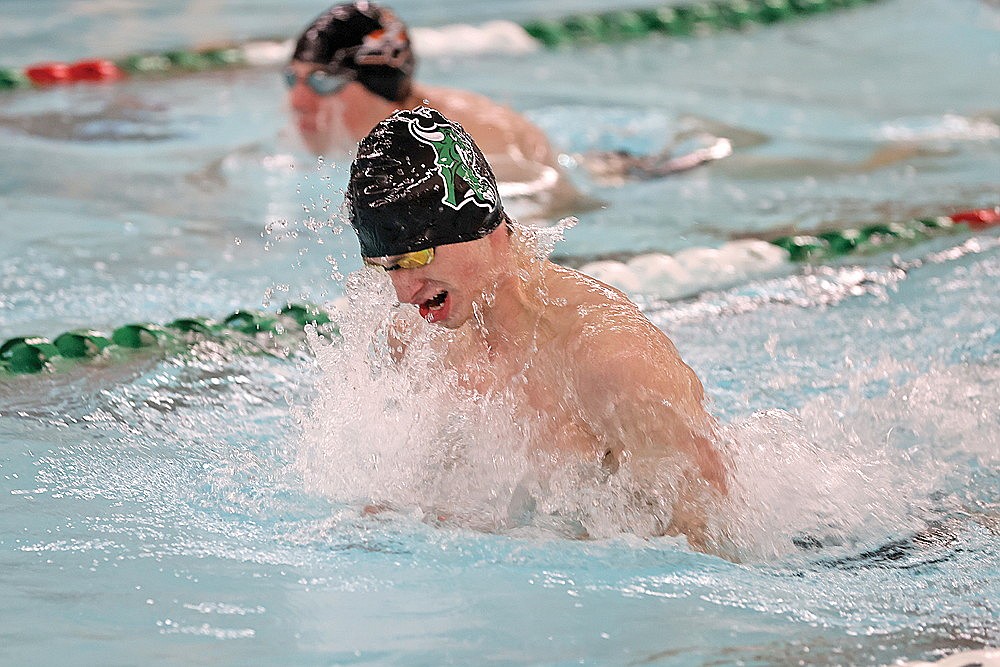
(880, 236)
(868, 239)
(675, 20)
(27, 354)
(34, 354)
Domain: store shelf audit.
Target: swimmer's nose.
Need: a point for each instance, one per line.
(406, 284)
(300, 96)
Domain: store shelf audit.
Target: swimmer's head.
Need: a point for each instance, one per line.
(364, 42)
(419, 181)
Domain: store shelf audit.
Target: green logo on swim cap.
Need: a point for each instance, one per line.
(453, 155)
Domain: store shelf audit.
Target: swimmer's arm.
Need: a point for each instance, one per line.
(620, 164)
(648, 405)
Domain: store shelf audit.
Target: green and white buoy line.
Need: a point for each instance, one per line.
(697, 269)
(248, 329)
(36, 354)
(672, 20)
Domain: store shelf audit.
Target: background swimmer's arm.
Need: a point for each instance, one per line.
(619, 165)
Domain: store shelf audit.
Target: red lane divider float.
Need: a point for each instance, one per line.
(979, 218)
(51, 74)
(95, 70)
(48, 74)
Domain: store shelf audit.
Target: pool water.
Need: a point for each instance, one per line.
(204, 505)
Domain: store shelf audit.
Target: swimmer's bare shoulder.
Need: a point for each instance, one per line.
(495, 127)
(633, 384)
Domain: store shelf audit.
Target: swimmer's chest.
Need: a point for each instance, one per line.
(544, 400)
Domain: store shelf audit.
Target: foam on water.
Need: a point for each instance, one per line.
(833, 474)
(852, 474)
(939, 128)
(399, 435)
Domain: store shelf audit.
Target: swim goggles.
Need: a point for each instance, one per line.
(410, 260)
(319, 81)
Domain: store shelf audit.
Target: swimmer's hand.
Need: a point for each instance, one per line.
(617, 166)
(373, 510)
(664, 164)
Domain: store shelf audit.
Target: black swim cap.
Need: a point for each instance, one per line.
(366, 40)
(420, 181)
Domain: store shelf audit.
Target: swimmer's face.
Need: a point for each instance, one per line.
(332, 118)
(445, 289)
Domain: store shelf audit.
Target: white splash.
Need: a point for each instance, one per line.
(400, 435)
(851, 471)
(403, 436)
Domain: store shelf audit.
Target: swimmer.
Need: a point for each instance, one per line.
(353, 66)
(594, 379)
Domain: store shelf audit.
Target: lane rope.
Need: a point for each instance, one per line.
(696, 269)
(676, 20)
(34, 354)
(672, 20)
(878, 237)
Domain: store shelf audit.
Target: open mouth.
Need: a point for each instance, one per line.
(435, 308)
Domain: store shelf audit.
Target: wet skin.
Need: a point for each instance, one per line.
(462, 272)
(595, 378)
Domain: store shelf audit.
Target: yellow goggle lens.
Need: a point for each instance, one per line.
(410, 260)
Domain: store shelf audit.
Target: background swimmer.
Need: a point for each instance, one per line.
(353, 66)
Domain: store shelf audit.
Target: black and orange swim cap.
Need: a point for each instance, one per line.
(420, 181)
(365, 41)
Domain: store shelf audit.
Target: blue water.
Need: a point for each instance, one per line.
(204, 507)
